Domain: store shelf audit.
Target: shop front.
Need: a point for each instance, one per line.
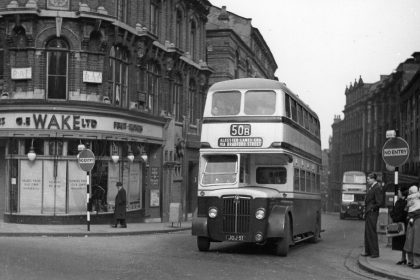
(43, 182)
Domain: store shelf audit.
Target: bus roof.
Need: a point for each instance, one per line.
(247, 83)
(256, 84)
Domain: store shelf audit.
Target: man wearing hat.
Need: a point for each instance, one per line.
(373, 201)
(120, 206)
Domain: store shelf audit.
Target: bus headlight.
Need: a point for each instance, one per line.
(260, 214)
(212, 212)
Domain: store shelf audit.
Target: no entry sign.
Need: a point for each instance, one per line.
(395, 151)
(86, 160)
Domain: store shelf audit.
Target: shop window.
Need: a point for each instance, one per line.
(38, 145)
(57, 68)
(55, 147)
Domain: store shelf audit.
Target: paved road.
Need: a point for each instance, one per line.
(175, 256)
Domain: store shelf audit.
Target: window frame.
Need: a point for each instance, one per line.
(58, 51)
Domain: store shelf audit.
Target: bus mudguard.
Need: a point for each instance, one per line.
(199, 226)
(276, 221)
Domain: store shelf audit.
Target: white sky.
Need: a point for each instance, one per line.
(321, 46)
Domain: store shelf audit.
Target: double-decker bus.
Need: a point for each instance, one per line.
(259, 169)
(353, 194)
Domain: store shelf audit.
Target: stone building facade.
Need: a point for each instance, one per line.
(126, 79)
(236, 49)
(371, 110)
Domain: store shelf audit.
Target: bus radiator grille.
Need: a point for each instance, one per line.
(236, 214)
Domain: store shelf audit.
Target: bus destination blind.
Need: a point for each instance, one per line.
(240, 142)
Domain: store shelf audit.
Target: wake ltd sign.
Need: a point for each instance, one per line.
(77, 122)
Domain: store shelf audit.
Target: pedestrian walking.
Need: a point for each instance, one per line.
(399, 215)
(120, 206)
(373, 201)
(412, 241)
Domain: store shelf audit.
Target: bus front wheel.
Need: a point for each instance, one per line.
(203, 244)
(282, 245)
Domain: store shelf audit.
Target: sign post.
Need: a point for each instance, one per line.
(395, 153)
(86, 160)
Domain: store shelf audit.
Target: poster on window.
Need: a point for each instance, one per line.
(113, 177)
(135, 180)
(54, 196)
(77, 188)
(30, 187)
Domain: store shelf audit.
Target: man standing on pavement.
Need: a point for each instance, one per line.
(373, 201)
(120, 206)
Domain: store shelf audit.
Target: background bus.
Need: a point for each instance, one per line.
(259, 170)
(353, 194)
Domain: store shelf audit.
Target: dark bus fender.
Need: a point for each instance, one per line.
(199, 226)
(276, 221)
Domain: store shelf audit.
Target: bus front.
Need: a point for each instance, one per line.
(353, 195)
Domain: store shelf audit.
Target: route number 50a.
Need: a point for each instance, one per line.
(240, 130)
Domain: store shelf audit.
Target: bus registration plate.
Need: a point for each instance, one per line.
(231, 237)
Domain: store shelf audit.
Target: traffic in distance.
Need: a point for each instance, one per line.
(259, 169)
(353, 194)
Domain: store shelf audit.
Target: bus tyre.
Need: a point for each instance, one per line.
(342, 216)
(203, 243)
(282, 245)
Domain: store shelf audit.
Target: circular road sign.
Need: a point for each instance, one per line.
(395, 151)
(86, 160)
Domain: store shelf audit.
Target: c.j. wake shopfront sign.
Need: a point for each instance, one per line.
(75, 122)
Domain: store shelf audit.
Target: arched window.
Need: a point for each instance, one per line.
(177, 94)
(193, 39)
(118, 76)
(153, 85)
(178, 29)
(19, 37)
(57, 68)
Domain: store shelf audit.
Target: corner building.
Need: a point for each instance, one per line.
(126, 79)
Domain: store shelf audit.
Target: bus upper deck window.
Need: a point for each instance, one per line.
(226, 103)
(260, 102)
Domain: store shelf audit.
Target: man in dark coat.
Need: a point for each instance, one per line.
(373, 200)
(120, 206)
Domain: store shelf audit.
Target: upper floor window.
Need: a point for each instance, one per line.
(193, 39)
(57, 68)
(177, 98)
(178, 29)
(121, 10)
(118, 76)
(152, 81)
(154, 18)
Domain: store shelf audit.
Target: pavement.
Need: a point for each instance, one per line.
(384, 266)
(81, 230)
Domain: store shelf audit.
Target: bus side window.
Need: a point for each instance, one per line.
(287, 106)
(296, 179)
(294, 112)
(302, 180)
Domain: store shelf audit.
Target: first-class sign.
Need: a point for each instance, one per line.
(86, 160)
(395, 151)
